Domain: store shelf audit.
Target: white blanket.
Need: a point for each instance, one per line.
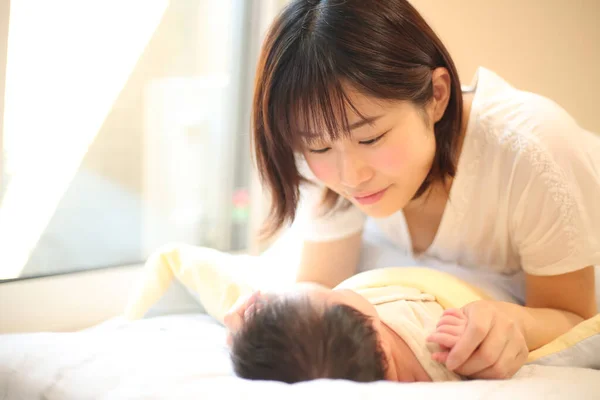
(184, 357)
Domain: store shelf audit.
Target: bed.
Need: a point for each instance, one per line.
(183, 357)
(178, 352)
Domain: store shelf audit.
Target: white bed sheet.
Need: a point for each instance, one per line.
(184, 357)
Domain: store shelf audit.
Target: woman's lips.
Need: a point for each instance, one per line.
(371, 198)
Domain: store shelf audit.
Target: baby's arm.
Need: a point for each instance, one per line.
(449, 329)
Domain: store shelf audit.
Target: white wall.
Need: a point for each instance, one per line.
(551, 47)
(65, 302)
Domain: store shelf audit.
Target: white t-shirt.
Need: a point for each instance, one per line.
(526, 195)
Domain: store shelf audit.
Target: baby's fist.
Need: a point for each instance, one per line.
(449, 329)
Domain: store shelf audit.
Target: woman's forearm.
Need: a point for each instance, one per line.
(540, 325)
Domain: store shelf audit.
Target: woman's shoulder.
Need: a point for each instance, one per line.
(531, 148)
(518, 125)
(539, 140)
(545, 172)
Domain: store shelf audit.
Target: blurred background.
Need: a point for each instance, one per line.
(125, 123)
(124, 126)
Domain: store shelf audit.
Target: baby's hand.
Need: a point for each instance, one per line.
(449, 329)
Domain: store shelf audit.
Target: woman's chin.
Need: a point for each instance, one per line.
(379, 210)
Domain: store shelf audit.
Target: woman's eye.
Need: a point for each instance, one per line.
(372, 141)
(320, 151)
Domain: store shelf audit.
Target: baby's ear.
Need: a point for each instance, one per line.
(378, 326)
(386, 347)
(376, 321)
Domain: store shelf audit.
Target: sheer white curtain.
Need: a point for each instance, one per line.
(116, 141)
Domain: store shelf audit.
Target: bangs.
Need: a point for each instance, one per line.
(310, 101)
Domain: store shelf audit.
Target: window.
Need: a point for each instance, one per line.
(124, 128)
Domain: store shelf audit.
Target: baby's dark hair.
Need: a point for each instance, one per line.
(292, 340)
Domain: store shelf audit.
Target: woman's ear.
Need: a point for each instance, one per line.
(442, 88)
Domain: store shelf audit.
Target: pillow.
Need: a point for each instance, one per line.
(178, 299)
(580, 347)
(215, 279)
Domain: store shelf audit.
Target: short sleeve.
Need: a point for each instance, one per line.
(555, 202)
(312, 225)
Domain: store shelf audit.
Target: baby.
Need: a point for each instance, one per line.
(369, 335)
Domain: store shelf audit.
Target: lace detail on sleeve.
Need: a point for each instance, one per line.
(529, 149)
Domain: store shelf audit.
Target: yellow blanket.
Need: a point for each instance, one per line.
(219, 279)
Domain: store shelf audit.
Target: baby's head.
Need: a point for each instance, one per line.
(307, 336)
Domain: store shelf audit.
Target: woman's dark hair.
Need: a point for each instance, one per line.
(291, 340)
(312, 52)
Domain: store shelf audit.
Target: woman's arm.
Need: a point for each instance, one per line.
(554, 304)
(498, 335)
(331, 262)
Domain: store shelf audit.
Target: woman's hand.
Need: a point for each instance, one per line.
(234, 319)
(247, 305)
(491, 344)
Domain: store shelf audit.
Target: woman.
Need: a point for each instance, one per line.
(366, 97)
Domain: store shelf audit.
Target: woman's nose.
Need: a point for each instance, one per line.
(353, 171)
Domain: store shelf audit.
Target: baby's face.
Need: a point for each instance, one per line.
(403, 364)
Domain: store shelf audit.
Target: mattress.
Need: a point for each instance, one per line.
(184, 357)
(178, 352)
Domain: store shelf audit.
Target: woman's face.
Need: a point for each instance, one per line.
(380, 167)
